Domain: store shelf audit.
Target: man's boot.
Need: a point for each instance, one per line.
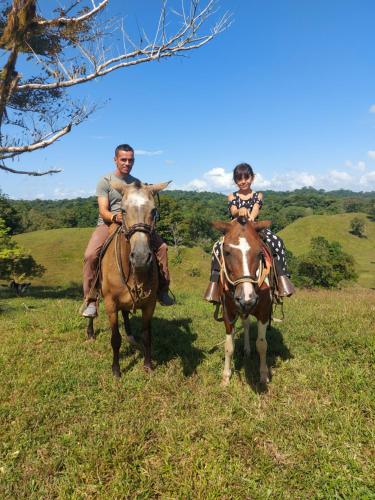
(161, 253)
(89, 310)
(212, 293)
(165, 299)
(285, 287)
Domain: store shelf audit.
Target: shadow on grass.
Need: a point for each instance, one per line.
(172, 338)
(71, 291)
(276, 350)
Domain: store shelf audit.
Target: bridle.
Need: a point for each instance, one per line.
(245, 278)
(138, 227)
(136, 292)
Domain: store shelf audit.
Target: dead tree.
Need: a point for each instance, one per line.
(74, 48)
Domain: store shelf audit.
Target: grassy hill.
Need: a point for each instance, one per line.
(297, 238)
(69, 430)
(61, 251)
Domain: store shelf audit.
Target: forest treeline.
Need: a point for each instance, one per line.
(185, 215)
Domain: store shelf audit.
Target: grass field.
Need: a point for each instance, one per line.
(297, 237)
(68, 429)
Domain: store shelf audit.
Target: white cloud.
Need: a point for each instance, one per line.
(372, 108)
(337, 178)
(144, 152)
(64, 193)
(367, 181)
(371, 154)
(196, 185)
(218, 178)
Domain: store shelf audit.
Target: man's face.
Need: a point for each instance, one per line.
(124, 162)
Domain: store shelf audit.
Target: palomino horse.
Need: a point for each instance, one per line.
(244, 287)
(128, 267)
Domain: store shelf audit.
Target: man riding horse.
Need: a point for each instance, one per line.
(109, 203)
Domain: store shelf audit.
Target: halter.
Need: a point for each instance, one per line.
(242, 279)
(138, 227)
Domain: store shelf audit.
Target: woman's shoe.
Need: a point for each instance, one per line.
(285, 287)
(212, 293)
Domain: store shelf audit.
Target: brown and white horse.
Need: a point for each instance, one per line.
(129, 269)
(244, 287)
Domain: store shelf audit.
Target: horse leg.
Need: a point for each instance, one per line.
(261, 344)
(229, 347)
(246, 335)
(115, 342)
(129, 335)
(146, 334)
(90, 329)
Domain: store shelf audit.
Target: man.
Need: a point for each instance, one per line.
(109, 203)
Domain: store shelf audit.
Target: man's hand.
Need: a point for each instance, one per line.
(117, 218)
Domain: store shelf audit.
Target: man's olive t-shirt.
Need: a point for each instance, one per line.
(104, 188)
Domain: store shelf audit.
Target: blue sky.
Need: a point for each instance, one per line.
(288, 88)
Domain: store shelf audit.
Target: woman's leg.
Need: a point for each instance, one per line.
(212, 293)
(276, 244)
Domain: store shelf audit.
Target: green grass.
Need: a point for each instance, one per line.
(68, 429)
(297, 237)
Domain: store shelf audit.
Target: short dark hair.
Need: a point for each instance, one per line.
(123, 147)
(241, 169)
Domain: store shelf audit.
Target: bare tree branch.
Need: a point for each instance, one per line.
(28, 148)
(75, 48)
(29, 172)
(60, 21)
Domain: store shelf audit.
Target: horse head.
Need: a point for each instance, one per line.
(138, 219)
(242, 260)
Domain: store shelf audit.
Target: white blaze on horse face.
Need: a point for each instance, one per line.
(244, 247)
(138, 200)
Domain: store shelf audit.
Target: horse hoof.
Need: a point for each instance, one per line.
(148, 368)
(225, 382)
(264, 379)
(116, 371)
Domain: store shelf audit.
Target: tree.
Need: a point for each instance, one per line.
(14, 263)
(357, 227)
(72, 48)
(10, 215)
(325, 265)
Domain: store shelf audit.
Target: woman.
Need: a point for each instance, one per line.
(247, 203)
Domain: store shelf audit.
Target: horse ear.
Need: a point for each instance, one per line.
(119, 186)
(155, 188)
(221, 226)
(263, 224)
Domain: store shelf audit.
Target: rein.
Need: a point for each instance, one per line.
(137, 292)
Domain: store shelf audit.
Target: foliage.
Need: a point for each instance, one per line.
(190, 212)
(10, 215)
(13, 261)
(325, 265)
(357, 227)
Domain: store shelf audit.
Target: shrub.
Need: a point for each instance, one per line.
(13, 262)
(357, 227)
(325, 265)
